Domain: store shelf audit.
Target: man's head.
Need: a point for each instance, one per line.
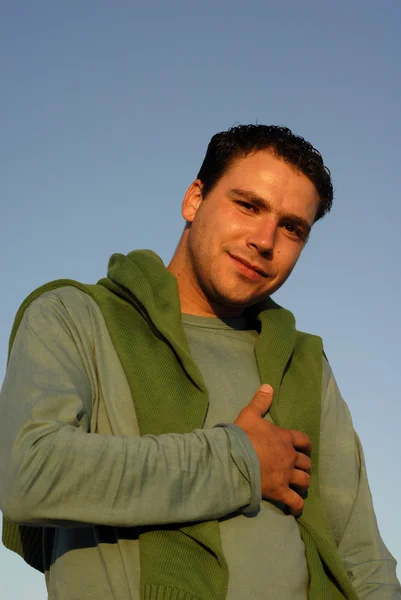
(248, 215)
(240, 141)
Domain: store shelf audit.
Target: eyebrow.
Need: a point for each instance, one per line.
(264, 204)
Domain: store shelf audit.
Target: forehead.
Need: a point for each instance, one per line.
(264, 166)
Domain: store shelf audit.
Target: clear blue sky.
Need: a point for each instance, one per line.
(106, 108)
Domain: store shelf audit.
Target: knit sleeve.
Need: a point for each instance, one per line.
(54, 471)
(348, 502)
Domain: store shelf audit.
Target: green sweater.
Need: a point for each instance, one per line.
(143, 295)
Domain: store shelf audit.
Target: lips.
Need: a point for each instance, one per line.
(251, 266)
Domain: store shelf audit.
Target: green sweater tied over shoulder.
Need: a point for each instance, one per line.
(140, 304)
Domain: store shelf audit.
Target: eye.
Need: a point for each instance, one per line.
(293, 230)
(246, 205)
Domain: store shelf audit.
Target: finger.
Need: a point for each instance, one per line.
(294, 502)
(300, 480)
(301, 441)
(303, 462)
(262, 400)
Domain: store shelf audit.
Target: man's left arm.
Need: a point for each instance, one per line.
(348, 502)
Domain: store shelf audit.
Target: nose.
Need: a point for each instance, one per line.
(263, 235)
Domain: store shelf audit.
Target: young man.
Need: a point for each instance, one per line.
(168, 433)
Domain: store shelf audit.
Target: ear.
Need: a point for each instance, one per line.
(192, 201)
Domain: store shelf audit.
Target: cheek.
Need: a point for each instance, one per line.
(234, 230)
(287, 257)
(221, 231)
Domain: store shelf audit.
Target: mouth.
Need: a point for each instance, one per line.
(250, 270)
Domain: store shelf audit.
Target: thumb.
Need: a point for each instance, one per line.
(262, 400)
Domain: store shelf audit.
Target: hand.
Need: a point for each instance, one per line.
(283, 453)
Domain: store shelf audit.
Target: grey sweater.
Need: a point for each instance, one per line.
(71, 459)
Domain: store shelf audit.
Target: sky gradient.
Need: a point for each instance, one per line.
(106, 111)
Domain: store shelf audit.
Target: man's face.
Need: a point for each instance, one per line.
(246, 236)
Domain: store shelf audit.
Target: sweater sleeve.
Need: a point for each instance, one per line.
(348, 502)
(53, 471)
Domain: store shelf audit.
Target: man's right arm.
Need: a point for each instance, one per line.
(54, 471)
